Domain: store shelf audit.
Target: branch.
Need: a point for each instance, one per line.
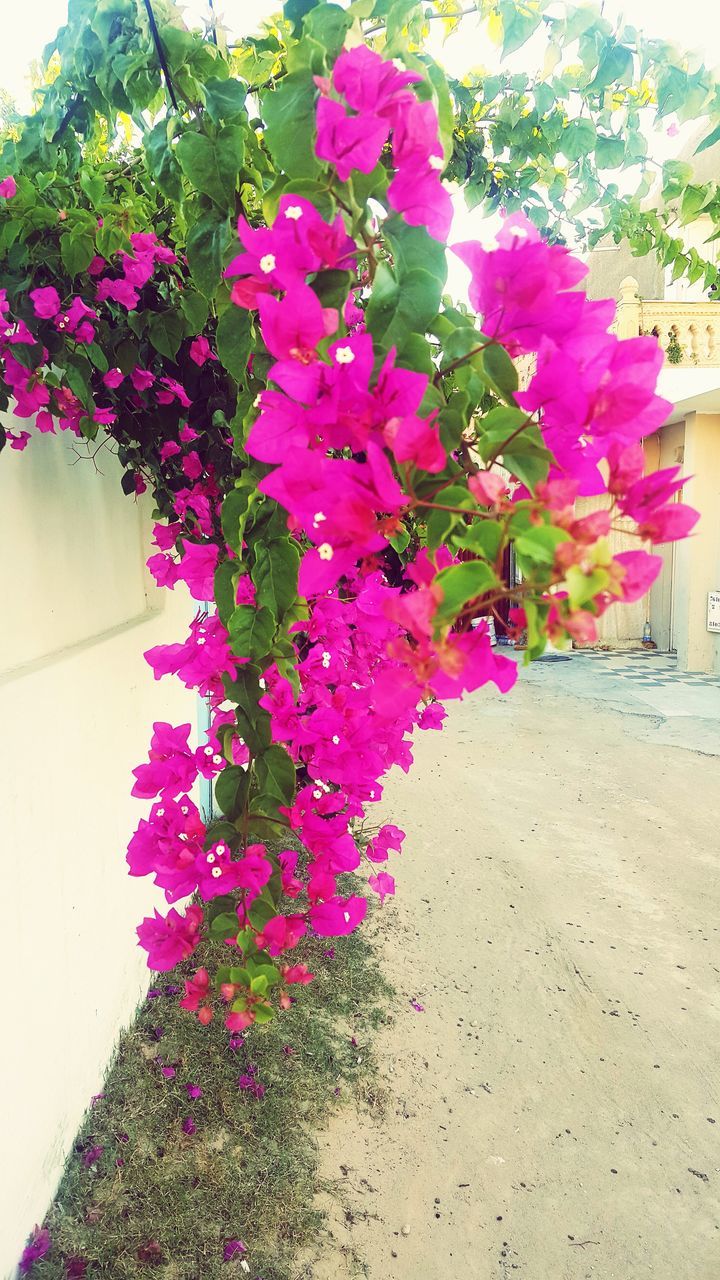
(161, 54)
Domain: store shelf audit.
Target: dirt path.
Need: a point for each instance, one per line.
(554, 1113)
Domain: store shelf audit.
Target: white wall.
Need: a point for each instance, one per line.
(77, 703)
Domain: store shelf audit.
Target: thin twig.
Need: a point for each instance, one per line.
(161, 54)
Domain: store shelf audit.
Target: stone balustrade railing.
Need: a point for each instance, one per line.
(689, 332)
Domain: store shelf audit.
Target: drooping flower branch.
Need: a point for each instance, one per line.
(342, 458)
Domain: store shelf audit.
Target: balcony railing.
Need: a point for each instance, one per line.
(688, 332)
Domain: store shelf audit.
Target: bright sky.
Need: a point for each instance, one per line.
(26, 28)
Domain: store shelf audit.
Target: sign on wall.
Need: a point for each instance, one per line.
(713, 611)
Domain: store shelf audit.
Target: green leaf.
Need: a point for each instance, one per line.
(166, 331)
(615, 65)
(461, 583)
(692, 202)
(234, 514)
(224, 926)
(609, 151)
(289, 113)
(77, 252)
(212, 165)
(539, 543)
(495, 428)
(234, 338)
(195, 309)
(251, 631)
(500, 372)
(577, 139)
(275, 574)
(225, 99)
(328, 24)
(275, 771)
(93, 186)
(519, 23)
(583, 586)
(231, 790)
(253, 720)
(709, 141)
(162, 160)
(441, 523)
(206, 243)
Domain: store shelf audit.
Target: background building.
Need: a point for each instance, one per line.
(686, 320)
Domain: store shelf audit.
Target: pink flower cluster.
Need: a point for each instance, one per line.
(373, 100)
(137, 269)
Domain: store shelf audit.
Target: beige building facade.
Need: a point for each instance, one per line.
(681, 607)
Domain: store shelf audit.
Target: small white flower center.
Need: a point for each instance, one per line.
(319, 518)
(208, 751)
(217, 759)
(210, 857)
(436, 162)
(220, 850)
(326, 660)
(325, 551)
(267, 263)
(336, 740)
(293, 212)
(160, 813)
(344, 355)
(216, 871)
(317, 794)
(201, 640)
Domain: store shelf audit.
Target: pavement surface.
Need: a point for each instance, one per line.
(553, 1110)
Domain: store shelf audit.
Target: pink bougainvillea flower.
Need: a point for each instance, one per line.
(92, 1156)
(281, 933)
(233, 1249)
(46, 302)
(172, 767)
(18, 439)
(197, 989)
(40, 1240)
(120, 291)
(369, 82)
(172, 390)
(193, 1090)
(487, 487)
(419, 1008)
(240, 1020)
(188, 1126)
(338, 916)
(522, 288)
(197, 568)
(349, 142)
(382, 884)
(297, 973)
(142, 379)
(416, 440)
(170, 939)
(113, 378)
(76, 1266)
(639, 569)
(8, 188)
(200, 351)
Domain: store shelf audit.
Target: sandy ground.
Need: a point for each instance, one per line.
(554, 1113)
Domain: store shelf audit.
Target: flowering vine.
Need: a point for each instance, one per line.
(340, 457)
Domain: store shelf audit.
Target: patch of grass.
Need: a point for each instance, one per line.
(161, 1202)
